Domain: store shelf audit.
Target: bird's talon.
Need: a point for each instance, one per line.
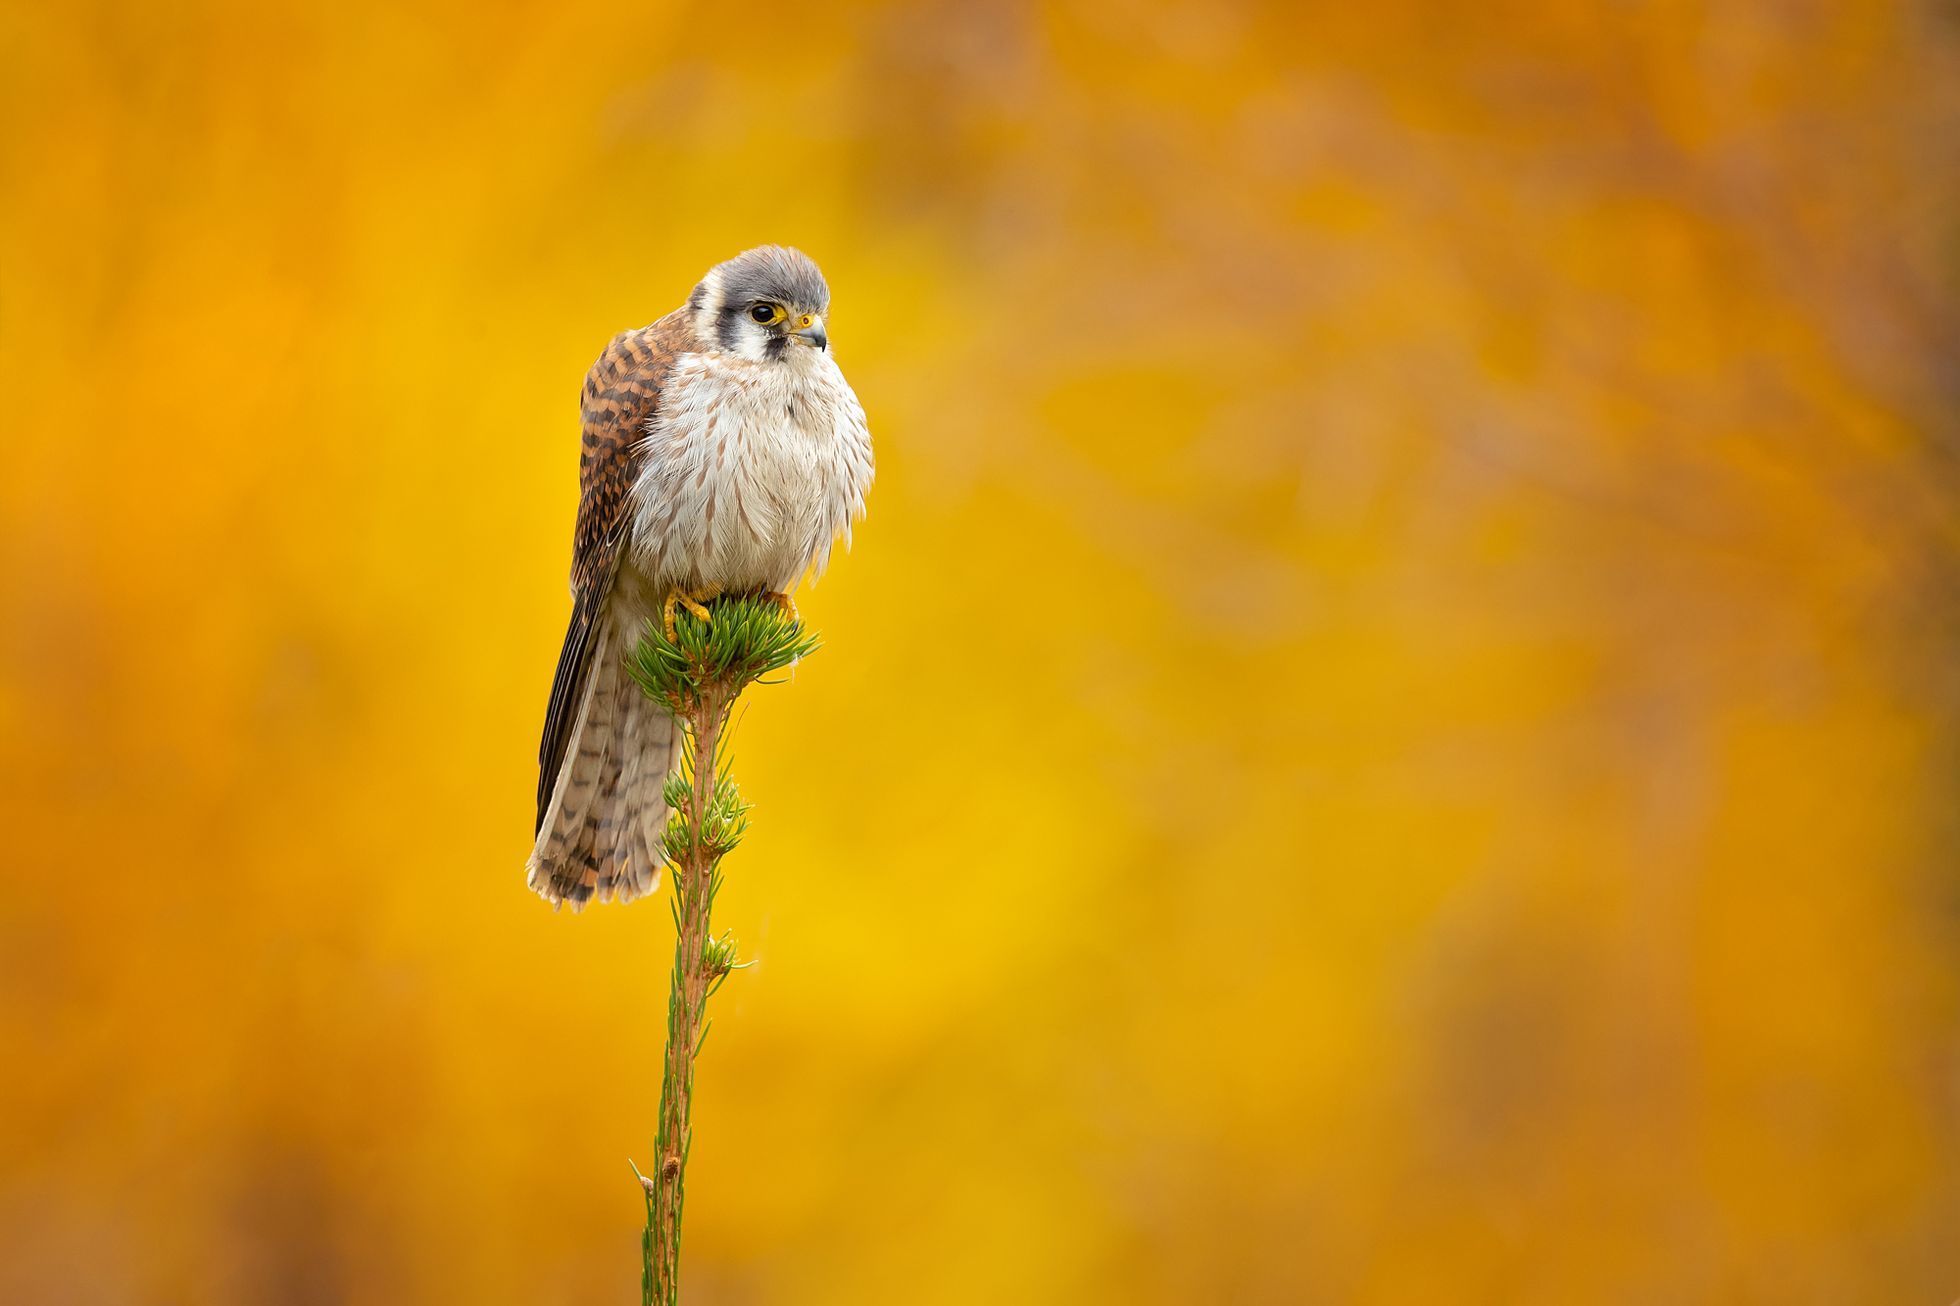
(787, 606)
(680, 598)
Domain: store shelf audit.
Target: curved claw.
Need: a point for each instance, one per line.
(693, 600)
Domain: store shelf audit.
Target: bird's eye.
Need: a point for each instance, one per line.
(766, 313)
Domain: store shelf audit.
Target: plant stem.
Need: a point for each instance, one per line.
(694, 897)
(695, 673)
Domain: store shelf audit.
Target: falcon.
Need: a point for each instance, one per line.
(722, 453)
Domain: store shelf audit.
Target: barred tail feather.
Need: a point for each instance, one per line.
(600, 836)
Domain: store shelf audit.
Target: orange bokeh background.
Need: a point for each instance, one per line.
(1390, 736)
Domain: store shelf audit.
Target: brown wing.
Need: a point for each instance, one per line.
(621, 392)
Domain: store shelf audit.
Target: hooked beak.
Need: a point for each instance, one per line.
(809, 330)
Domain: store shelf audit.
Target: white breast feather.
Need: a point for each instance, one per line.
(751, 471)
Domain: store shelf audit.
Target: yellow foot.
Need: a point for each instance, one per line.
(787, 606)
(693, 600)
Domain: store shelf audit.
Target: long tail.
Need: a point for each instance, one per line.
(600, 836)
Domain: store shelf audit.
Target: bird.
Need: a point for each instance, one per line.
(721, 452)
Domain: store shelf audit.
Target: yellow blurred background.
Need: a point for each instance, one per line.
(1390, 737)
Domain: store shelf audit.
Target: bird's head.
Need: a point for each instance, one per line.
(766, 305)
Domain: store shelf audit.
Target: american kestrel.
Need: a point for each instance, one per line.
(723, 453)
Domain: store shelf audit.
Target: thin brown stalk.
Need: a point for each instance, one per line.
(694, 879)
(696, 673)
